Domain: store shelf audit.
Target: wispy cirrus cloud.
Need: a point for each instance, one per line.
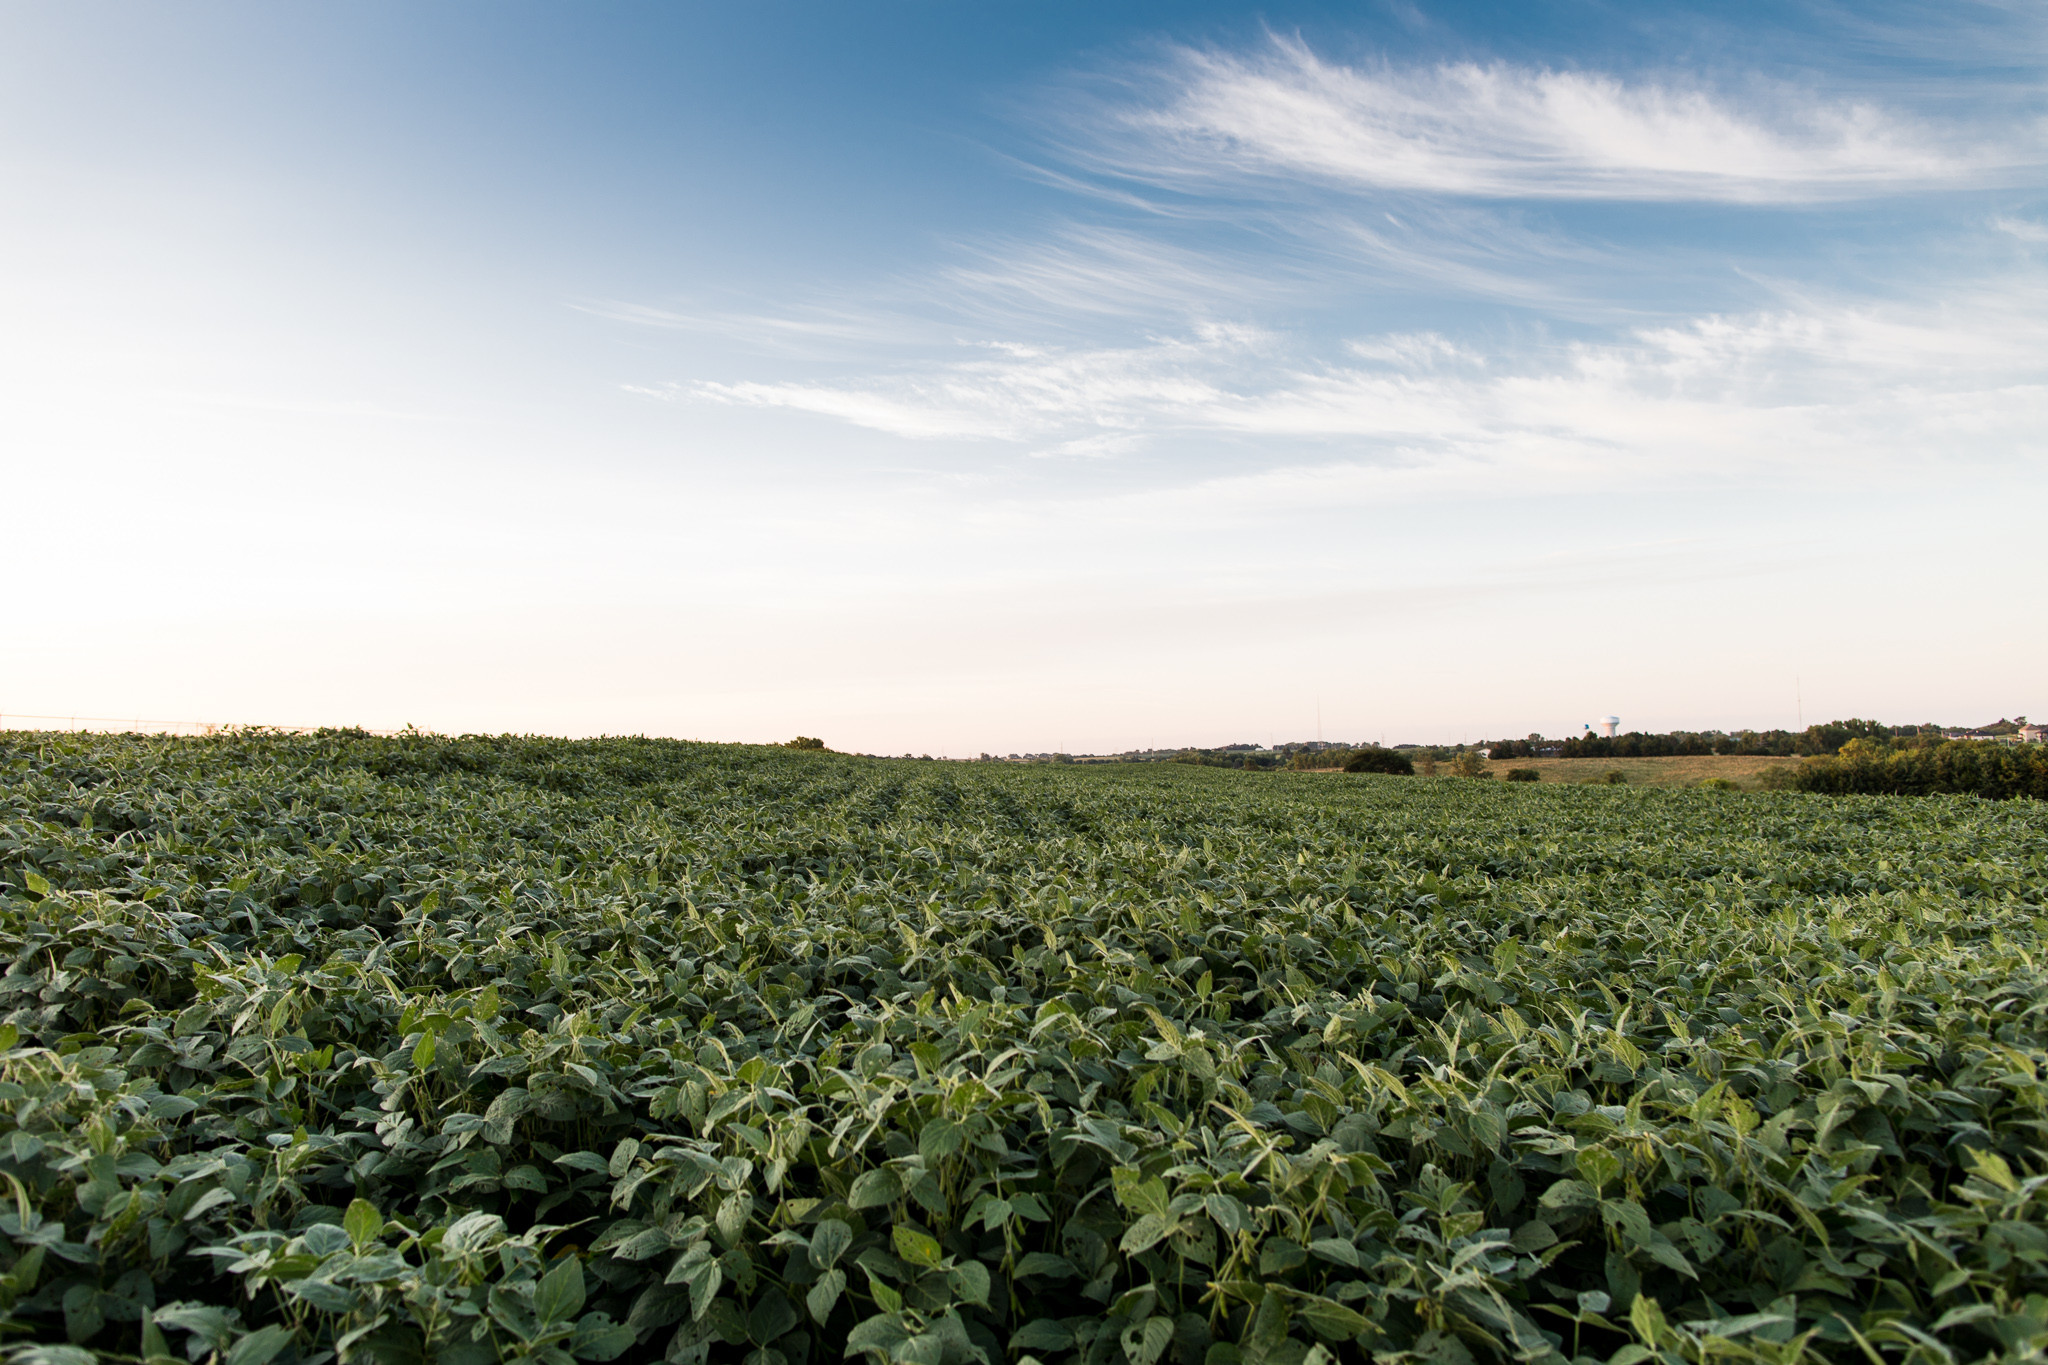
(1853, 388)
(1024, 393)
(1499, 130)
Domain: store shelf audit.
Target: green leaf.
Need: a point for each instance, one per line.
(872, 1189)
(1569, 1194)
(970, 1283)
(35, 882)
(558, 1298)
(1599, 1166)
(940, 1138)
(824, 1294)
(1278, 1256)
(916, 1248)
(1956, 1317)
(1337, 1250)
(472, 1232)
(1330, 1320)
(1147, 1232)
(770, 1317)
(1632, 1218)
(55, 1354)
(260, 1347)
(734, 1215)
(1139, 1195)
(505, 1112)
(1267, 1330)
(886, 1298)
(1229, 1214)
(1042, 1334)
(362, 1223)
(703, 1278)
(1046, 1264)
(1648, 1319)
(1991, 1167)
(154, 1347)
(423, 1052)
(597, 1337)
(1147, 1341)
(1028, 1205)
(829, 1241)
(879, 1334)
(1665, 1253)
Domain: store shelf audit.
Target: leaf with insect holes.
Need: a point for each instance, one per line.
(916, 1247)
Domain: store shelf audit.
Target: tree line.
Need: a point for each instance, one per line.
(1825, 738)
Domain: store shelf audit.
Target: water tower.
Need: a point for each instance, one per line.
(1609, 724)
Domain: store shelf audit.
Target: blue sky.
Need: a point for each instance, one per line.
(949, 378)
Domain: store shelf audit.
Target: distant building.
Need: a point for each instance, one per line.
(1993, 735)
(2034, 734)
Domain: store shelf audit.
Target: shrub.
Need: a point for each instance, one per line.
(1719, 784)
(1780, 777)
(803, 742)
(1467, 763)
(1524, 775)
(1963, 767)
(1613, 777)
(1372, 759)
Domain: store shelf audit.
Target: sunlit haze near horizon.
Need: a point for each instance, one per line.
(956, 378)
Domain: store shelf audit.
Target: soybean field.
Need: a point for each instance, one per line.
(419, 1050)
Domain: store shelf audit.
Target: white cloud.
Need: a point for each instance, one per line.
(2024, 229)
(1084, 271)
(1500, 130)
(1025, 393)
(1096, 447)
(1412, 349)
(1852, 389)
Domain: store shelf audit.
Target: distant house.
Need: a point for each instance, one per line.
(2000, 732)
(2033, 734)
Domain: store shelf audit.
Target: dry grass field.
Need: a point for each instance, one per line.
(1648, 772)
